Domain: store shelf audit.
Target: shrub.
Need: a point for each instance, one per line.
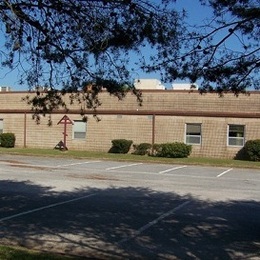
(252, 149)
(7, 140)
(242, 155)
(142, 149)
(173, 150)
(157, 148)
(120, 146)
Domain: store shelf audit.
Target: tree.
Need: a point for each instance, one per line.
(222, 52)
(71, 44)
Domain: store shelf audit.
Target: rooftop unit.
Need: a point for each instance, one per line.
(185, 86)
(5, 89)
(148, 84)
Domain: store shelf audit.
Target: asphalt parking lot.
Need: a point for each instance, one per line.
(125, 210)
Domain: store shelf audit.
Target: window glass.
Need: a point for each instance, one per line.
(79, 129)
(236, 135)
(193, 133)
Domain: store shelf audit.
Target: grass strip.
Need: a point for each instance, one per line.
(133, 158)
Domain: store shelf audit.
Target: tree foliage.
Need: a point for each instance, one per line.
(222, 52)
(71, 44)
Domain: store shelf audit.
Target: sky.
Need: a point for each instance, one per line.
(196, 13)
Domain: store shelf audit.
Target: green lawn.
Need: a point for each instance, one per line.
(132, 157)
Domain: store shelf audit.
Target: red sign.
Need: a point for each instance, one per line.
(65, 121)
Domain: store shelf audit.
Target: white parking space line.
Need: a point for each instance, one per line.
(155, 221)
(221, 174)
(73, 164)
(46, 207)
(122, 166)
(173, 169)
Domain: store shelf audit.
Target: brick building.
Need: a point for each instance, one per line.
(215, 126)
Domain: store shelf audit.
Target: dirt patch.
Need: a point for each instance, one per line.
(29, 166)
(93, 177)
(19, 164)
(12, 161)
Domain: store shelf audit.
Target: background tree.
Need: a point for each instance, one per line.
(222, 52)
(69, 44)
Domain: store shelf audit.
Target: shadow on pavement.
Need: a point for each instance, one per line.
(127, 223)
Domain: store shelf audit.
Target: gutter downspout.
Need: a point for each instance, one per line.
(153, 133)
(25, 130)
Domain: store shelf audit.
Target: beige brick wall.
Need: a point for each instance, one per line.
(42, 135)
(160, 100)
(214, 133)
(185, 101)
(14, 123)
(100, 134)
(124, 119)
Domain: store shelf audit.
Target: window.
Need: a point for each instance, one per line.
(1, 126)
(193, 133)
(236, 135)
(79, 129)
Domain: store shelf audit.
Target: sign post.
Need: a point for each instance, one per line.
(65, 121)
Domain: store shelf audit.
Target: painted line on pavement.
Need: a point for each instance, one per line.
(73, 164)
(173, 169)
(122, 166)
(155, 221)
(46, 207)
(221, 174)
